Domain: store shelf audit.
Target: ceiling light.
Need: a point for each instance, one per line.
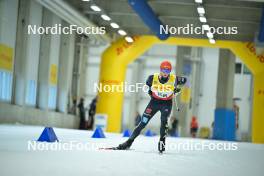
(105, 17)
(210, 35)
(200, 10)
(122, 32)
(212, 41)
(206, 27)
(199, 1)
(129, 39)
(203, 19)
(95, 8)
(85, 0)
(114, 25)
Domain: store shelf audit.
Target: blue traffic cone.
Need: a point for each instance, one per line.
(48, 135)
(149, 133)
(127, 133)
(98, 133)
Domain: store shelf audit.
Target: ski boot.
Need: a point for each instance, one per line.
(161, 145)
(124, 146)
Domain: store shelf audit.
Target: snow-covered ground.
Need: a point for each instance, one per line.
(142, 159)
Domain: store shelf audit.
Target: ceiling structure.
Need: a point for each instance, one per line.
(245, 15)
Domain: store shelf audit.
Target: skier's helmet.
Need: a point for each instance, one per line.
(165, 67)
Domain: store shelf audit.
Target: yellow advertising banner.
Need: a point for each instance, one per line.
(185, 95)
(53, 74)
(6, 57)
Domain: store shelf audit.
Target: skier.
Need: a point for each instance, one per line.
(82, 114)
(194, 127)
(162, 87)
(91, 111)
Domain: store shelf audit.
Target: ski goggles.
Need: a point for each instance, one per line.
(167, 71)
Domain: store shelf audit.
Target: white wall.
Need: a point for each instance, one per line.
(65, 71)
(207, 100)
(27, 53)
(50, 48)
(8, 21)
(32, 58)
(8, 25)
(242, 90)
(93, 69)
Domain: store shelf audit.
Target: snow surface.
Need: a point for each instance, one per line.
(142, 159)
